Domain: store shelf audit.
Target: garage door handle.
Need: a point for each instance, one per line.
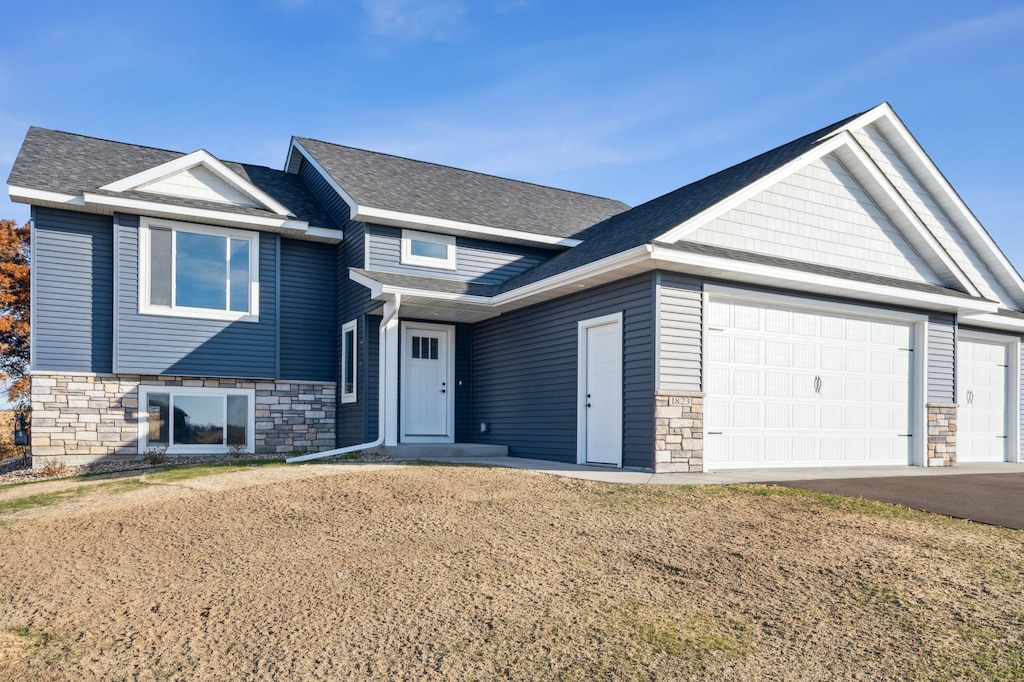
(817, 384)
(970, 397)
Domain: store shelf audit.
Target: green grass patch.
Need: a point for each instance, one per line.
(184, 472)
(47, 648)
(16, 505)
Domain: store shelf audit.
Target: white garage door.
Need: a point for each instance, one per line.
(790, 387)
(982, 383)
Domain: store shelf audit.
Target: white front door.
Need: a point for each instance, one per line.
(428, 390)
(600, 386)
(792, 387)
(982, 382)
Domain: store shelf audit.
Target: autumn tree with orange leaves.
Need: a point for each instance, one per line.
(15, 298)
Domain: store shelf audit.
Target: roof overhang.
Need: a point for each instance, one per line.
(996, 322)
(208, 161)
(439, 304)
(104, 204)
(380, 216)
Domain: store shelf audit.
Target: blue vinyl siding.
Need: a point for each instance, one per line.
(157, 344)
(525, 373)
(680, 316)
(73, 316)
(324, 193)
(309, 316)
(477, 261)
(941, 358)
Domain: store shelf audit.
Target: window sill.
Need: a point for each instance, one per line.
(346, 399)
(200, 314)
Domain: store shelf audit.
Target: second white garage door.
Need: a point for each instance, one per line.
(789, 387)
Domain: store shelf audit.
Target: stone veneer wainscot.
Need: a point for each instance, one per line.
(941, 434)
(81, 418)
(678, 431)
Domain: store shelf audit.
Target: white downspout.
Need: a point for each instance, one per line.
(389, 322)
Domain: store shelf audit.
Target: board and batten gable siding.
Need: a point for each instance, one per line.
(941, 358)
(680, 303)
(477, 260)
(525, 373)
(819, 214)
(161, 344)
(309, 317)
(73, 310)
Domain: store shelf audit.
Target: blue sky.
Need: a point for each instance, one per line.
(627, 100)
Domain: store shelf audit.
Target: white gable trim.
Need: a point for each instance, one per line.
(852, 155)
(908, 148)
(383, 216)
(212, 164)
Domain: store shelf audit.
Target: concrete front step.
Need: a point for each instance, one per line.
(426, 450)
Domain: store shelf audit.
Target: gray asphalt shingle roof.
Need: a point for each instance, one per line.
(426, 189)
(62, 162)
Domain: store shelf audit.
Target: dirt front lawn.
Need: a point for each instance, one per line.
(388, 572)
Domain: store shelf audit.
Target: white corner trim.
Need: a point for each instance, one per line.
(203, 158)
(25, 195)
(407, 257)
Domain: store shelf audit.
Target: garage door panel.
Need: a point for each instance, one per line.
(982, 390)
(830, 390)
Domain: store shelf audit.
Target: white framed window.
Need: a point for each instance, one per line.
(187, 419)
(431, 250)
(200, 271)
(349, 344)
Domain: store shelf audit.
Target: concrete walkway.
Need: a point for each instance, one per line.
(614, 475)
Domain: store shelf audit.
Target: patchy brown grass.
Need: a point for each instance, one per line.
(482, 573)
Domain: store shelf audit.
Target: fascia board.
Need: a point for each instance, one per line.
(383, 216)
(936, 183)
(151, 207)
(856, 158)
(733, 200)
(26, 195)
(785, 278)
(991, 321)
(203, 158)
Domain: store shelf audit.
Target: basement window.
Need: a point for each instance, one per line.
(430, 250)
(186, 419)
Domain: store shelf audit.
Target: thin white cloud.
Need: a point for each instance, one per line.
(413, 19)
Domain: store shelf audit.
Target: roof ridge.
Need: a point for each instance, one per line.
(463, 170)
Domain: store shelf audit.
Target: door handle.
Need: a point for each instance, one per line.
(443, 391)
(817, 384)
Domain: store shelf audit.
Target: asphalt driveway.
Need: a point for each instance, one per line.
(996, 499)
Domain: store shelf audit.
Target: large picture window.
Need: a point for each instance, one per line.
(196, 420)
(348, 362)
(198, 271)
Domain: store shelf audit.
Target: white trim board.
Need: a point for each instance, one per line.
(207, 160)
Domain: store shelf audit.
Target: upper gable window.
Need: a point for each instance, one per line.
(431, 250)
(198, 271)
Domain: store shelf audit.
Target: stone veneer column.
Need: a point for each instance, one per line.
(941, 434)
(81, 418)
(678, 431)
